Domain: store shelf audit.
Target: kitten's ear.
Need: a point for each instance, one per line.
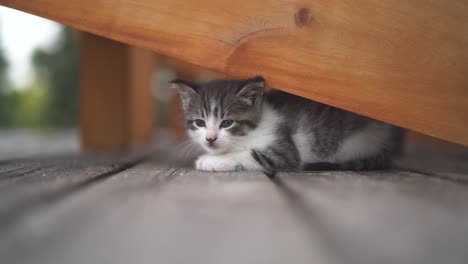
(252, 91)
(187, 91)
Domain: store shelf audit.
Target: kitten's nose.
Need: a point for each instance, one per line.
(211, 139)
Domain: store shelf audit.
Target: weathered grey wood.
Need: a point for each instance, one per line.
(386, 217)
(105, 210)
(26, 185)
(153, 213)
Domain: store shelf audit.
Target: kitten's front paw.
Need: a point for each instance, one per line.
(215, 163)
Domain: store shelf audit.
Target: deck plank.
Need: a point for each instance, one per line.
(385, 217)
(154, 212)
(28, 184)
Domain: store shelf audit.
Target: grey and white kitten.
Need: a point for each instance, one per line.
(241, 128)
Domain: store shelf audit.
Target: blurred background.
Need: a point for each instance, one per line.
(39, 73)
(38, 85)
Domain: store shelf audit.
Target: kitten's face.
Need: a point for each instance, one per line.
(218, 114)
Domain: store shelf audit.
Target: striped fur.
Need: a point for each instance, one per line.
(279, 131)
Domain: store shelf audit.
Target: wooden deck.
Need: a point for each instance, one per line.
(140, 209)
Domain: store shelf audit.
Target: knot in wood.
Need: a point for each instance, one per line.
(302, 17)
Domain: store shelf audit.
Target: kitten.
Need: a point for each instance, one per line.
(241, 128)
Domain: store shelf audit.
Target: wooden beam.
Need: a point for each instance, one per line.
(116, 106)
(404, 62)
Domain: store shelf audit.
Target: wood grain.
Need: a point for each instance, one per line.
(152, 213)
(404, 62)
(34, 183)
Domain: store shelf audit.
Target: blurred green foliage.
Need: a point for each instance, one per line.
(50, 102)
(4, 113)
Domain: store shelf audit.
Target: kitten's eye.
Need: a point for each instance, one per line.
(200, 123)
(226, 123)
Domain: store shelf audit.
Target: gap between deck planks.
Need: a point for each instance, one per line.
(147, 212)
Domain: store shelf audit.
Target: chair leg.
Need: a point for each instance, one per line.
(116, 88)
